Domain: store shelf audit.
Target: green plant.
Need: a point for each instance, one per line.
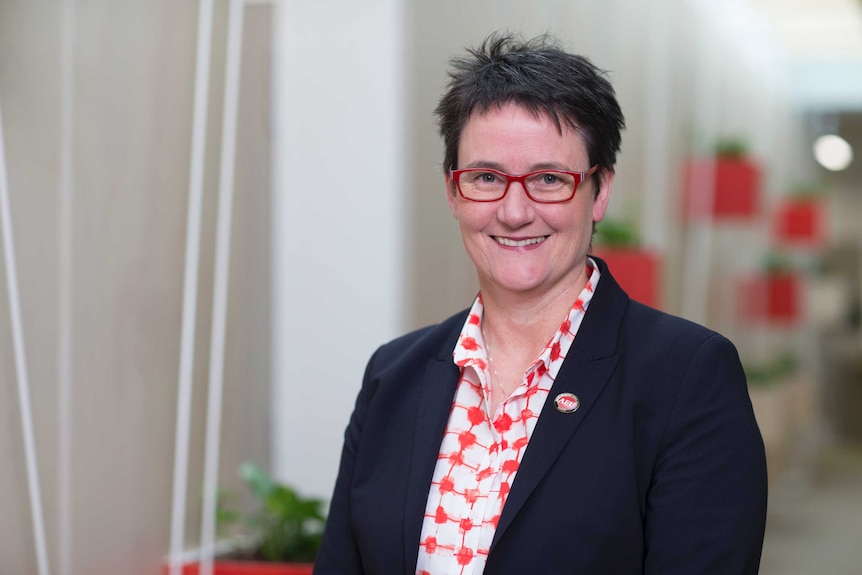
(616, 233)
(806, 191)
(284, 527)
(775, 263)
(782, 366)
(731, 148)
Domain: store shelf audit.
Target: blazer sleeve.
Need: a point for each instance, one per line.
(338, 554)
(706, 505)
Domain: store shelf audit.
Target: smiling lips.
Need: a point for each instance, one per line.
(519, 243)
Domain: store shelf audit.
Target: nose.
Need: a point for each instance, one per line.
(516, 209)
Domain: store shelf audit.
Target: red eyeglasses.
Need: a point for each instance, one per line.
(542, 186)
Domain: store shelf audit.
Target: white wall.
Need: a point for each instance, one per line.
(338, 221)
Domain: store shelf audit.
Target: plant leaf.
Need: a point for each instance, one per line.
(258, 480)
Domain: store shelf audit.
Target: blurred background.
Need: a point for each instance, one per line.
(340, 239)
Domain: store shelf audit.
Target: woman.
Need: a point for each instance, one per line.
(556, 426)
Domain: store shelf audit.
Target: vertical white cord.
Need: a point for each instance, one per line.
(65, 397)
(21, 365)
(220, 282)
(190, 284)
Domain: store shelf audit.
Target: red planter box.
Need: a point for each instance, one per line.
(247, 568)
(772, 297)
(799, 222)
(736, 184)
(636, 270)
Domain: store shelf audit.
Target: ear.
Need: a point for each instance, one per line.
(600, 205)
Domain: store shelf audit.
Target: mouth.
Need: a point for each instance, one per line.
(513, 243)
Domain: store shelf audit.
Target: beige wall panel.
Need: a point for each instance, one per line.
(134, 73)
(29, 86)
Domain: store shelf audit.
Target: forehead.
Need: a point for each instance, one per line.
(510, 132)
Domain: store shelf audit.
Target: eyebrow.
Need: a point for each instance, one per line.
(533, 168)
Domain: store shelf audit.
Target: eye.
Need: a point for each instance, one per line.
(550, 180)
(481, 178)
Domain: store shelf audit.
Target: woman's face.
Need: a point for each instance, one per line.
(518, 245)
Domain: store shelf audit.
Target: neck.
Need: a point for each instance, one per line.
(520, 324)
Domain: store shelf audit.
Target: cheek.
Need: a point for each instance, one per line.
(571, 221)
(472, 217)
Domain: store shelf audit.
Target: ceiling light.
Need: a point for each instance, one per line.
(833, 152)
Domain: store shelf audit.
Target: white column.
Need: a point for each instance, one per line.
(339, 229)
(699, 240)
(657, 121)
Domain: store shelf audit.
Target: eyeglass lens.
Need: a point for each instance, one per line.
(546, 185)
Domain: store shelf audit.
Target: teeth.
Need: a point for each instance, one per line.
(520, 243)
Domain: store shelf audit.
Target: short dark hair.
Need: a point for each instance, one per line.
(540, 76)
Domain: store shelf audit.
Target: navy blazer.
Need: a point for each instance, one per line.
(661, 470)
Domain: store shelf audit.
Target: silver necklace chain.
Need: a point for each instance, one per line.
(493, 368)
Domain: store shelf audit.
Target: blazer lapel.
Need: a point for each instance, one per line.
(439, 380)
(585, 372)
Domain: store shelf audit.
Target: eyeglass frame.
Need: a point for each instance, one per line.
(455, 175)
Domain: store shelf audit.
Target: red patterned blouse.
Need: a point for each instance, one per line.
(480, 452)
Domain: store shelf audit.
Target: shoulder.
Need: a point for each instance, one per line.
(658, 326)
(670, 348)
(642, 327)
(681, 359)
(417, 346)
(617, 324)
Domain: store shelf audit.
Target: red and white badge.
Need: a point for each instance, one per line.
(567, 403)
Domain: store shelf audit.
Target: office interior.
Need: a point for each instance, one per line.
(213, 213)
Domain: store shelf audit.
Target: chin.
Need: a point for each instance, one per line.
(517, 284)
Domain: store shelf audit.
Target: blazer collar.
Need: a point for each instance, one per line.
(585, 372)
(439, 379)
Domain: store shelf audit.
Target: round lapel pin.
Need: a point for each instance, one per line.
(567, 403)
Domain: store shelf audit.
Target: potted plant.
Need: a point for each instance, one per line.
(799, 218)
(772, 295)
(280, 536)
(768, 373)
(731, 175)
(635, 269)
